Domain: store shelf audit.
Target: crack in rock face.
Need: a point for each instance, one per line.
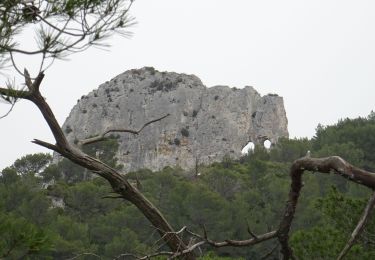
(205, 124)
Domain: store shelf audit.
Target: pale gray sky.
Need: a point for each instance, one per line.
(319, 55)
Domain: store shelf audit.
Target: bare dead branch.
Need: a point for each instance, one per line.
(188, 250)
(267, 255)
(236, 243)
(333, 164)
(249, 230)
(101, 137)
(201, 241)
(360, 226)
(166, 234)
(119, 183)
(8, 112)
(46, 145)
(161, 253)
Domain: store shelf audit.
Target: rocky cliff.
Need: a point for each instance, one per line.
(205, 124)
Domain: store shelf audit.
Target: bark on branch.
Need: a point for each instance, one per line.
(333, 164)
(119, 184)
(202, 240)
(236, 243)
(359, 228)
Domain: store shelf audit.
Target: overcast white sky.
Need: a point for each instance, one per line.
(319, 55)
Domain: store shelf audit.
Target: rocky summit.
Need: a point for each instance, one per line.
(204, 124)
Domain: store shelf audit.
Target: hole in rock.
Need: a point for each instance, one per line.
(249, 147)
(267, 144)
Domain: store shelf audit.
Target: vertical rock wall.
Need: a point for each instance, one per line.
(204, 123)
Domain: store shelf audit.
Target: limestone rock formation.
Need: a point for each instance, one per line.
(205, 124)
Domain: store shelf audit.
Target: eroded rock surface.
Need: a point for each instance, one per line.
(205, 124)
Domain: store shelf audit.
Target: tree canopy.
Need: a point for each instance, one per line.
(224, 199)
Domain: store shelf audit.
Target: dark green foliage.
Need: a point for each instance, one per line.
(70, 172)
(224, 198)
(288, 150)
(32, 163)
(106, 150)
(57, 24)
(351, 138)
(325, 241)
(21, 239)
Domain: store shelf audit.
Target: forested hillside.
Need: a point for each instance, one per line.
(223, 199)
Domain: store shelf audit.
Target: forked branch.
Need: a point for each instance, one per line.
(333, 164)
(204, 240)
(119, 183)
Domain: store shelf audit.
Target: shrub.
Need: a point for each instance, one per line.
(68, 129)
(185, 132)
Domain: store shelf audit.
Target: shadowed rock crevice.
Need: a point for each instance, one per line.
(204, 123)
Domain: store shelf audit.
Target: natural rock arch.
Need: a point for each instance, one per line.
(204, 123)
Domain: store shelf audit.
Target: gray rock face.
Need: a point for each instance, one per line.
(205, 124)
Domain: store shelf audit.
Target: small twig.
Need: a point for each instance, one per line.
(270, 252)
(249, 231)
(7, 113)
(113, 197)
(166, 234)
(15, 64)
(161, 253)
(188, 250)
(360, 226)
(236, 243)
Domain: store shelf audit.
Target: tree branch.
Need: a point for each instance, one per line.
(47, 145)
(250, 232)
(236, 243)
(360, 226)
(119, 184)
(7, 92)
(101, 137)
(204, 240)
(333, 164)
(267, 255)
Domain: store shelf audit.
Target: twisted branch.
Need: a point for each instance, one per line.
(101, 137)
(333, 164)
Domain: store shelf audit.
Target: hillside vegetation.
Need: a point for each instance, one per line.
(223, 199)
